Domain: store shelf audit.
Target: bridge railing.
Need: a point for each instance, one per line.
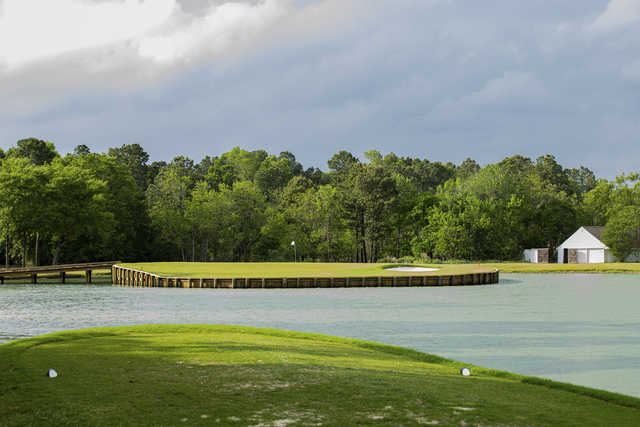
(52, 269)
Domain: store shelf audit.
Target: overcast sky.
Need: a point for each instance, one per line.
(435, 79)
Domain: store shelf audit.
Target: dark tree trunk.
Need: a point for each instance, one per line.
(6, 252)
(193, 247)
(35, 257)
(24, 251)
(357, 245)
(205, 251)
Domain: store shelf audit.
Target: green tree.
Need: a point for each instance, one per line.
(334, 239)
(467, 168)
(342, 161)
(374, 157)
(622, 233)
(551, 172)
(446, 237)
(598, 202)
(207, 212)
(273, 174)
(307, 215)
(403, 227)
(125, 202)
(81, 150)
(76, 206)
(494, 214)
(22, 202)
(298, 208)
(582, 180)
(167, 198)
(427, 176)
(135, 159)
(221, 172)
(245, 163)
(39, 152)
(366, 197)
(247, 215)
(316, 176)
(517, 164)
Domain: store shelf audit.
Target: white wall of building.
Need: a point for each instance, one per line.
(596, 256)
(536, 255)
(590, 249)
(531, 255)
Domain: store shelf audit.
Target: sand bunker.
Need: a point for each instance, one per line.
(411, 269)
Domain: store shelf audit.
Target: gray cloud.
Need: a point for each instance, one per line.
(436, 79)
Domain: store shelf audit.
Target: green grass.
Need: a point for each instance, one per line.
(289, 269)
(525, 267)
(222, 375)
(283, 269)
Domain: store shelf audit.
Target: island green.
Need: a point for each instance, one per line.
(290, 269)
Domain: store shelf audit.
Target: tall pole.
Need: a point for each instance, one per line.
(295, 254)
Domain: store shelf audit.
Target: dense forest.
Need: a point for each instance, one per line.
(250, 205)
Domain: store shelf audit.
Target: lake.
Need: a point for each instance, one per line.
(579, 328)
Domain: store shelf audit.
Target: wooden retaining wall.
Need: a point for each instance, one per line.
(128, 277)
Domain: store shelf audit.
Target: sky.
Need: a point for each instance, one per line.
(437, 79)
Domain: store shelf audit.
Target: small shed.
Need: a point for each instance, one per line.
(537, 255)
(585, 246)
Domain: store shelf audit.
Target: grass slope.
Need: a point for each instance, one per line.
(221, 375)
(289, 269)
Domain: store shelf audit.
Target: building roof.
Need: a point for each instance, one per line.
(596, 231)
(585, 238)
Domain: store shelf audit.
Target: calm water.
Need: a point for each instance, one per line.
(583, 329)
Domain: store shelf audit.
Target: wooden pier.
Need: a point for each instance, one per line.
(122, 276)
(62, 270)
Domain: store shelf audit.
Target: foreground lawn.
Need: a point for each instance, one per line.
(525, 267)
(290, 269)
(221, 375)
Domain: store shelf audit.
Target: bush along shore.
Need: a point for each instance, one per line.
(225, 375)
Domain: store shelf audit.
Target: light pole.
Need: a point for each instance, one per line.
(295, 256)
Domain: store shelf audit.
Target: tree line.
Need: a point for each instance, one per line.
(250, 205)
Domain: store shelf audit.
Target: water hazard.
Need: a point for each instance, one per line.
(583, 329)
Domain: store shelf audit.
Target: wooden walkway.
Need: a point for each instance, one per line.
(33, 272)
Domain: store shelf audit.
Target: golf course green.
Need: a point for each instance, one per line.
(290, 269)
(225, 375)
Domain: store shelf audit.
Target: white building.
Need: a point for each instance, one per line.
(536, 255)
(585, 246)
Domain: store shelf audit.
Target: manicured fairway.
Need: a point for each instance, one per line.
(525, 267)
(221, 375)
(290, 269)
